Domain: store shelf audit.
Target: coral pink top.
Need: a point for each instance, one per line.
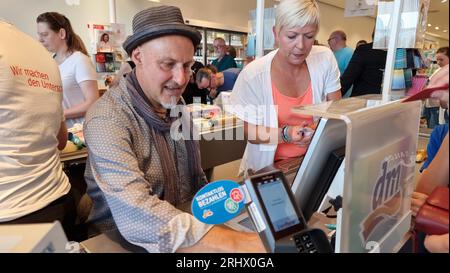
(287, 117)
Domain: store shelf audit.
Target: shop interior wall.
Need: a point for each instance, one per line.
(441, 42)
(23, 14)
(357, 28)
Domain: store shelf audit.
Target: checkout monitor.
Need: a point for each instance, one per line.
(328, 138)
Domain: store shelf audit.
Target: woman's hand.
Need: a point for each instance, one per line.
(417, 201)
(301, 135)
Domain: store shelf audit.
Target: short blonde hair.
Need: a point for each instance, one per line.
(296, 13)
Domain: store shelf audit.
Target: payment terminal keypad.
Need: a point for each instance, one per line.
(304, 243)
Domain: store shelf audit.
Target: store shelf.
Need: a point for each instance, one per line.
(235, 45)
(235, 39)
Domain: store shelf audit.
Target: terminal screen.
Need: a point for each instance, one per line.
(278, 205)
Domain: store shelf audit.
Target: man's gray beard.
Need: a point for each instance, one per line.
(173, 103)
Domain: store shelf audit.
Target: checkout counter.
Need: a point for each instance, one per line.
(376, 184)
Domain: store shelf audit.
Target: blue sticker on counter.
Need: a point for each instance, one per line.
(218, 202)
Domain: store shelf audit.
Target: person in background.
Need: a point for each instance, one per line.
(78, 75)
(137, 171)
(338, 44)
(361, 42)
(224, 60)
(226, 79)
(432, 106)
(193, 91)
(436, 138)
(437, 174)
(349, 92)
(232, 52)
(442, 58)
(33, 185)
(204, 80)
(215, 81)
(440, 131)
(365, 71)
(297, 73)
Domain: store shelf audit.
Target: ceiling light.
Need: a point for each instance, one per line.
(436, 28)
(445, 31)
(444, 1)
(429, 25)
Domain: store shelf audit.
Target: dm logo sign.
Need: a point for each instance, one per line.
(218, 202)
(388, 194)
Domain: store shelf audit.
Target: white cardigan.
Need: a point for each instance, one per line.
(252, 98)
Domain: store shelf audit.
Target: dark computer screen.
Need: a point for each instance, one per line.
(310, 181)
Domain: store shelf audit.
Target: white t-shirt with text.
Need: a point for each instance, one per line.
(31, 176)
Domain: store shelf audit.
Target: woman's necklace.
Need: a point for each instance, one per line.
(61, 59)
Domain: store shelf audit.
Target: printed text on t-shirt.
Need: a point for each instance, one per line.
(35, 78)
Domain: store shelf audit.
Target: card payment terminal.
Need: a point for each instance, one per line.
(280, 224)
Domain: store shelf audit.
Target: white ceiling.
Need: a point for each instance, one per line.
(437, 15)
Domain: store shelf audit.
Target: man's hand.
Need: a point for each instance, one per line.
(222, 239)
(213, 93)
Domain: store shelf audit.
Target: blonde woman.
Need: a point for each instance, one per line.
(297, 73)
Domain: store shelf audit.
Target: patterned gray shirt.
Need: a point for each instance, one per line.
(125, 178)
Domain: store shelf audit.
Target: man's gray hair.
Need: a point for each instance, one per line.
(296, 13)
(220, 39)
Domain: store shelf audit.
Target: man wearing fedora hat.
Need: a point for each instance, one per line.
(137, 172)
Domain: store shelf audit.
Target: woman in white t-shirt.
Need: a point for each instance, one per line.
(78, 76)
(297, 73)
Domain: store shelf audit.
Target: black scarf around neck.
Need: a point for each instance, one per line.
(159, 129)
